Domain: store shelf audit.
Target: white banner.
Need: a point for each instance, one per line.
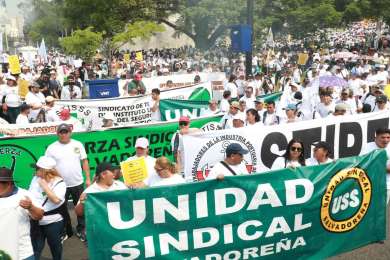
(13, 130)
(126, 111)
(347, 136)
(181, 80)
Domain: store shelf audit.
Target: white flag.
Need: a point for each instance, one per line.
(270, 38)
(1, 42)
(42, 51)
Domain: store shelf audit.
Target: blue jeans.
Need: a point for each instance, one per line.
(52, 233)
(30, 258)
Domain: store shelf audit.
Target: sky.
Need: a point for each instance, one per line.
(12, 7)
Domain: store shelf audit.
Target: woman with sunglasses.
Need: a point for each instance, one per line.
(167, 172)
(293, 157)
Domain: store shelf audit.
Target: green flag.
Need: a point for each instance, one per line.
(303, 213)
(172, 109)
(271, 97)
(200, 94)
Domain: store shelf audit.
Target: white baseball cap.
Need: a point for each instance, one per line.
(109, 117)
(142, 142)
(46, 162)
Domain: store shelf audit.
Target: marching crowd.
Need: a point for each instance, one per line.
(325, 84)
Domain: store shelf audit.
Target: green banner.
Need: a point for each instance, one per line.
(113, 145)
(303, 213)
(200, 94)
(172, 109)
(271, 97)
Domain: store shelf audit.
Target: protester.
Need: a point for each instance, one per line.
(71, 91)
(22, 118)
(108, 120)
(51, 113)
(269, 116)
(381, 104)
(321, 154)
(167, 173)
(137, 85)
(104, 181)
(68, 153)
(142, 150)
(17, 206)
(382, 140)
(253, 118)
(227, 119)
(212, 109)
(10, 100)
(232, 165)
(225, 102)
(292, 158)
(35, 99)
(291, 114)
(155, 105)
(49, 188)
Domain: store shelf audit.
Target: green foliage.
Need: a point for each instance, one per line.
(82, 43)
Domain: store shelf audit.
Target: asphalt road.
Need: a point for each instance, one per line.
(74, 249)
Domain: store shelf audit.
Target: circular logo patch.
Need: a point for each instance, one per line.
(346, 200)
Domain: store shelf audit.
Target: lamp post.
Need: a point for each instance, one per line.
(248, 60)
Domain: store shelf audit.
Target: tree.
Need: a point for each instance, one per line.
(82, 43)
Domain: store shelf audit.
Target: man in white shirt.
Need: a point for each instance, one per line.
(17, 206)
(321, 154)
(155, 105)
(269, 116)
(382, 140)
(51, 113)
(249, 98)
(68, 154)
(233, 164)
(71, 91)
(227, 119)
(35, 99)
(142, 150)
(381, 104)
(211, 110)
(22, 118)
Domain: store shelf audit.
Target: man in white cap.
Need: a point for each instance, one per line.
(142, 150)
(108, 120)
(35, 99)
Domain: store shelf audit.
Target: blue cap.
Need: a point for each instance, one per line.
(290, 107)
(235, 149)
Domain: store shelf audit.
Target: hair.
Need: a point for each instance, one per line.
(166, 164)
(156, 90)
(301, 158)
(227, 94)
(49, 174)
(232, 78)
(271, 102)
(381, 131)
(254, 113)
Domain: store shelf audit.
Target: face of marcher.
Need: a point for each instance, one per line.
(320, 154)
(108, 177)
(295, 151)
(271, 108)
(382, 140)
(5, 188)
(141, 151)
(64, 136)
(236, 159)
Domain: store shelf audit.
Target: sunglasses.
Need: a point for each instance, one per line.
(183, 123)
(295, 149)
(63, 132)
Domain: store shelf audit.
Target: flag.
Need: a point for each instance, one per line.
(1, 42)
(270, 38)
(42, 51)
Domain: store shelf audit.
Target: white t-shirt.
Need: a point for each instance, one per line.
(11, 95)
(371, 147)
(224, 105)
(313, 161)
(250, 102)
(116, 185)
(58, 187)
(22, 119)
(282, 163)
(66, 95)
(51, 115)
(33, 99)
(152, 175)
(232, 88)
(219, 169)
(156, 116)
(16, 219)
(174, 179)
(68, 157)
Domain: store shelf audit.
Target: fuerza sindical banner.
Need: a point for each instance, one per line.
(302, 213)
(111, 145)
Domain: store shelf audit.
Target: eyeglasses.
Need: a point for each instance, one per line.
(296, 149)
(158, 169)
(183, 123)
(63, 132)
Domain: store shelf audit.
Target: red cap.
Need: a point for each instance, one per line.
(184, 119)
(65, 114)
